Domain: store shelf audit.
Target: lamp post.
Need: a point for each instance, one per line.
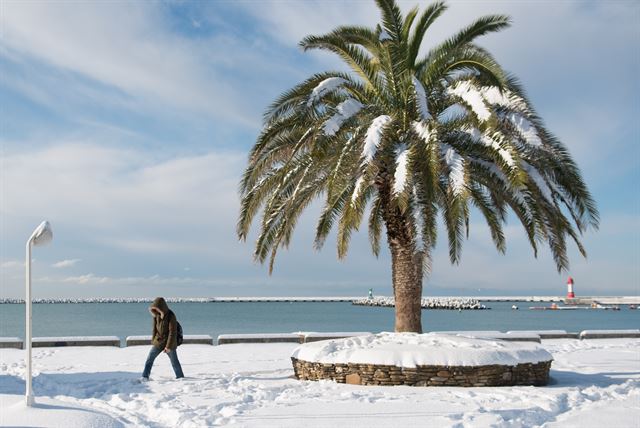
(41, 236)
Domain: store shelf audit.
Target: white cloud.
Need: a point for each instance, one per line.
(83, 279)
(150, 245)
(126, 205)
(86, 185)
(289, 22)
(147, 281)
(12, 264)
(65, 263)
(126, 46)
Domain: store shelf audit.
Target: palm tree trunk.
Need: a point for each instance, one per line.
(406, 262)
(407, 288)
(406, 270)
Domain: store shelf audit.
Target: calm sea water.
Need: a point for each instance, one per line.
(125, 319)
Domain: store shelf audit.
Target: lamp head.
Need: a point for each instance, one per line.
(43, 234)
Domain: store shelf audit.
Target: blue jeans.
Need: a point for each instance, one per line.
(173, 356)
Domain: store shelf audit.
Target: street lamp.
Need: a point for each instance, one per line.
(41, 236)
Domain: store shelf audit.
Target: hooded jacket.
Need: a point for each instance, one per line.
(165, 330)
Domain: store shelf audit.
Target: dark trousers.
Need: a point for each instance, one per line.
(173, 356)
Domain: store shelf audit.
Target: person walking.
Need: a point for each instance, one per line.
(164, 337)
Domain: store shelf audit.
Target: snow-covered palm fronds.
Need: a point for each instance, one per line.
(421, 99)
(411, 139)
(344, 111)
(400, 174)
(325, 87)
(373, 137)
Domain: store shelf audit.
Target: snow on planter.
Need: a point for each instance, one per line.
(423, 359)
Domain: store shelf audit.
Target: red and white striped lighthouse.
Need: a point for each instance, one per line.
(570, 294)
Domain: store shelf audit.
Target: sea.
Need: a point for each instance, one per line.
(215, 318)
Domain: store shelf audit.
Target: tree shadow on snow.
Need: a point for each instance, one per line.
(561, 378)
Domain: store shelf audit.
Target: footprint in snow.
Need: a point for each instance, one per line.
(125, 397)
(228, 411)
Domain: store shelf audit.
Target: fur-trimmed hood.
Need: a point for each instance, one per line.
(161, 305)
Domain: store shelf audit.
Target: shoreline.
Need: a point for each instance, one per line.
(620, 300)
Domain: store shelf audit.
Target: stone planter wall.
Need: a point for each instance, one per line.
(370, 374)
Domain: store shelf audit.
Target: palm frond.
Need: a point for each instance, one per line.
(430, 14)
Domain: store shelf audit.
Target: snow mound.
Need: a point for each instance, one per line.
(47, 412)
(412, 349)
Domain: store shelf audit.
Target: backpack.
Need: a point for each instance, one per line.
(180, 337)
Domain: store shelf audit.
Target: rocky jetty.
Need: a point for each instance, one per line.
(450, 303)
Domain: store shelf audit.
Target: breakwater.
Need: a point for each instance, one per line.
(180, 300)
(584, 300)
(451, 303)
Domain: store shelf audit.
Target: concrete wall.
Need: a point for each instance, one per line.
(11, 342)
(302, 337)
(48, 342)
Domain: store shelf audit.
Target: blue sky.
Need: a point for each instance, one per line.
(127, 126)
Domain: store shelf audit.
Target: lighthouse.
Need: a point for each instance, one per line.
(570, 294)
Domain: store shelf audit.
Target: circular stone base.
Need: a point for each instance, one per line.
(371, 374)
(418, 360)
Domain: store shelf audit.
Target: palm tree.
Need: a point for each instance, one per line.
(405, 139)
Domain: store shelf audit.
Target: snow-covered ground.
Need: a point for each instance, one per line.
(595, 383)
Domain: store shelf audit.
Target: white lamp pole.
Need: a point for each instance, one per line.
(41, 236)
